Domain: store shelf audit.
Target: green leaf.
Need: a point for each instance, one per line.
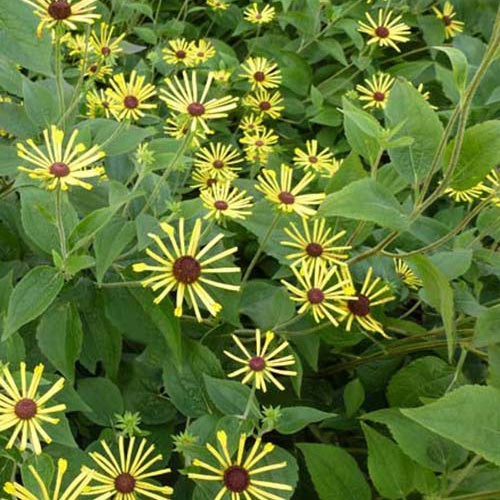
(41, 103)
(367, 200)
(103, 397)
(354, 395)
(487, 329)
(31, 297)
(11, 79)
(468, 416)
(59, 336)
(295, 418)
(15, 121)
(454, 263)
(335, 474)
(351, 170)
(422, 125)
(333, 48)
(459, 65)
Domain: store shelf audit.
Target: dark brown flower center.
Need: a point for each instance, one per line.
(259, 143)
(25, 409)
(286, 197)
(105, 104)
(131, 102)
(314, 249)
(93, 68)
(447, 20)
(221, 205)
(218, 164)
(258, 16)
(313, 159)
(257, 364)
(105, 51)
(236, 479)
(315, 296)
(265, 106)
(211, 182)
(259, 76)
(359, 307)
(59, 169)
(196, 109)
(124, 483)
(382, 31)
(379, 96)
(201, 54)
(186, 269)
(180, 54)
(59, 10)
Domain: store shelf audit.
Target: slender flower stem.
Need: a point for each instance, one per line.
(60, 224)
(114, 134)
(259, 251)
(249, 402)
(59, 73)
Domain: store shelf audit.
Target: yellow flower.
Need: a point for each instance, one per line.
(221, 75)
(492, 186)
(217, 4)
(77, 44)
(74, 490)
(323, 163)
(407, 275)
(264, 103)
(103, 45)
(252, 124)
(256, 16)
(130, 96)
(219, 160)
(372, 293)
(61, 167)
(179, 127)
(184, 268)
(286, 198)
(98, 105)
(96, 69)
(202, 179)
(261, 73)
(238, 475)
(261, 367)
(183, 98)
(179, 51)
(465, 195)
(67, 13)
(377, 90)
(224, 202)
(259, 144)
(425, 94)
(385, 32)
(26, 411)
(320, 291)
(203, 51)
(451, 26)
(315, 247)
(125, 475)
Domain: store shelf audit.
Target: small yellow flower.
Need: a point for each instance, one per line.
(98, 104)
(259, 144)
(202, 179)
(95, 69)
(219, 160)
(252, 124)
(385, 32)
(203, 51)
(224, 202)
(26, 411)
(287, 198)
(451, 26)
(425, 94)
(61, 167)
(377, 90)
(179, 51)
(261, 367)
(253, 15)
(185, 267)
(264, 103)
(77, 44)
(322, 163)
(465, 195)
(125, 476)
(103, 44)
(179, 127)
(218, 4)
(404, 271)
(261, 73)
(221, 75)
(74, 490)
(492, 186)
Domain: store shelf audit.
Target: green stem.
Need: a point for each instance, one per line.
(59, 73)
(60, 224)
(249, 402)
(114, 134)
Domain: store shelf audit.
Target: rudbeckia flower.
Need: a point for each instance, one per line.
(261, 73)
(377, 90)
(451, 26)
(385, 32)
(219, 160)
(408, 277)
(225, 202)
(253, 15)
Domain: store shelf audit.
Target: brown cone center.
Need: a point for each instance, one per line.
(218, 164)
(131, 102)
(314, 249)
(124, 483)
(313, 159)
(447, 20)
(286, 197)
(59, 169)
(259, 76)
(315, 296)
(25, 409)
(382, 32)
(379, 96)
(180, 54)
(257, 364)
(259, 143)
(359, 307)
(186, 269)
(265, 106)
(236, 479)
(221, 205)
(59, 10)
(105, 51)
(196, 109)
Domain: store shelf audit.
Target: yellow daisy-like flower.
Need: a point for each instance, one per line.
(74, 490)
(373, 293)
(261, 73)
(67, 13)
(315, 245)
(221, 75)
(287, 198)
(77, 44)
(492, 186)
(125, 476)
(323, 162)
(219, 160)
(179, 51)
(253, 15)
(104, 45)
(185, 268)
(385, 32)
(183, 98)
(130, 96)
(252, 124)
(203, 51)
(202, 179)
(218, 5)
(259, 144)
(425, 94)
(224, 202)
(61, 167)
(264, 103)
(238, 475)
(261, 367)
(320, 291)
(465, 195)
(377, 90)
(178, 127)
(98, 104)
(451, 26)
(96, 69)
(404, 271)
(24, 410)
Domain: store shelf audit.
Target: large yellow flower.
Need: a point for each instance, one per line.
(451, 26)
(238, 476)
(287, 198)
(261, 73)
(385, 32)
(61, 167)
(225, 202)
(219, 160)
(377, 90)
(73, 491)
(179, 51)
(126, 476)
(322, 163)
(185, 268)
(24, 410)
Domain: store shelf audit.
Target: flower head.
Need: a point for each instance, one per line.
(252, 124)
(224, 202)
(25, 410)
(219, 160)
(385, 32)
(253, 15)
(287, 198)
(99, 104)
(425, 94)
(130, 97)
(451, 26)
(218, 4)
(179, 51)
(179, 128)
(259, 144)
(264, 103)
(185, 267)
(61, 167)
(124, 476)
(261, 73)
(322, 163)
(408, 277)
(203, 51)
(77, 44)
(377, 90)
(467, 195)
(95, 68)
(104, 45)
(221, 75)
(203, 179)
